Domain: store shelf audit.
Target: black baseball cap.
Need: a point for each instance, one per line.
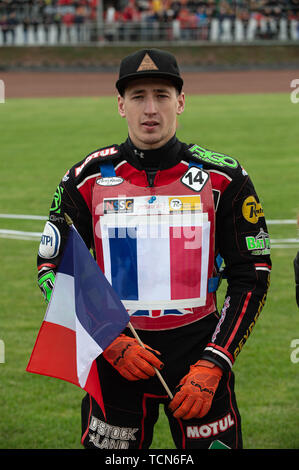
(149, 63)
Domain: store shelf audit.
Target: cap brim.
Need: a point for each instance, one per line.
(123, 82)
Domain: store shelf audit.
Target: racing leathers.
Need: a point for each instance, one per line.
(182, 328)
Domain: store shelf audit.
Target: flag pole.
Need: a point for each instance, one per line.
(70, 222)
(156, 370)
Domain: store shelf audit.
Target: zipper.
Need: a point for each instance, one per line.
(151, 177)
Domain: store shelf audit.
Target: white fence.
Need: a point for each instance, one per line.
(47, 35)
(226, 31)
(35, 236)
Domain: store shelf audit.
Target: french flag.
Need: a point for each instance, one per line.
(83, 317)
(157, 270)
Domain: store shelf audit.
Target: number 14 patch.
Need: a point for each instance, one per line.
(195, 178)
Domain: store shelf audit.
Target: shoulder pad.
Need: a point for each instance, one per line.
(212, 159)
(103, 154)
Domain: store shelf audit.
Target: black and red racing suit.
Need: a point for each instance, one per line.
(241, 240)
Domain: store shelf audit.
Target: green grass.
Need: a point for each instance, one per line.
(40, 140)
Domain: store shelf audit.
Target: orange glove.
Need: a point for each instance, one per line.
(130, 359)
(196, 391)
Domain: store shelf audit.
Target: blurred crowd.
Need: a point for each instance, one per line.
(135, 19)
(35, 14)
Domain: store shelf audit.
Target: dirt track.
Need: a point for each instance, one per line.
(42, 84)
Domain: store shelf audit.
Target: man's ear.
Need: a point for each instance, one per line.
(121, 106)
(181, 103)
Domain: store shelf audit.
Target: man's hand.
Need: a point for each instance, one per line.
(46, 283)
(130, 359)
(196, 391)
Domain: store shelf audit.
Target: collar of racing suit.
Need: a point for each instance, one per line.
(152, 161)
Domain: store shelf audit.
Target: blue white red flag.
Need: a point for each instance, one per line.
(83, 317)
(173, 248)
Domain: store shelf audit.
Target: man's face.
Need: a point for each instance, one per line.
(151, 107)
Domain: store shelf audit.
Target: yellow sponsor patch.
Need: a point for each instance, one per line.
(184, 203)
(252, 210)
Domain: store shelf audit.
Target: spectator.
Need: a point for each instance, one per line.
(202, 22)
(131, 16)
(4, 28)
(143, 5)
(79, 20)
(35, 25)
(175, 7)
(184, 18)
(12, 22)
(130, 13)
(110, 23)
(68, 21)
(57, 20)
(164, 22)
(192, 5)
(26, 26)
(47, 21)
(148, 22)
(157, 7)
(267, 25)
(93, 5)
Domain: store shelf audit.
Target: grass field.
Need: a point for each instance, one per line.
(40, 140)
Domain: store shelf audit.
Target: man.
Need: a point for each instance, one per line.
(160, 215)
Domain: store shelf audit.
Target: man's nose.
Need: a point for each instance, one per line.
(150, 105)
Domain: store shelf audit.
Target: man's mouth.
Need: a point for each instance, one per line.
(150, 124)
